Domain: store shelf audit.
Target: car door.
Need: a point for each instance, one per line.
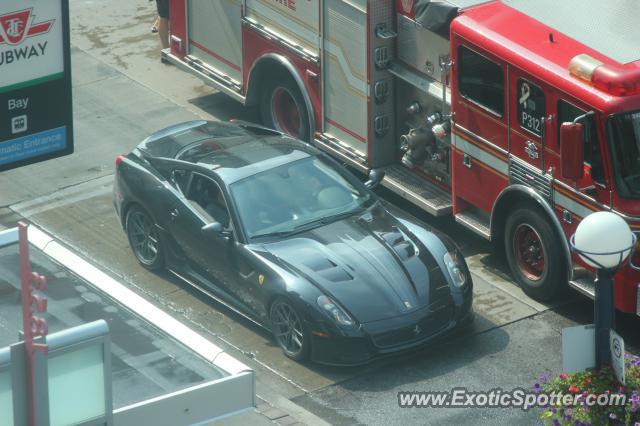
(210, 255)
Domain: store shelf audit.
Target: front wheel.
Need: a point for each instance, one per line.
(534, 254)
(289, 330)
(282, 107)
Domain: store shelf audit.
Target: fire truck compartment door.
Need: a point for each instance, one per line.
(344, 72)
(296, 21)
(215, 35)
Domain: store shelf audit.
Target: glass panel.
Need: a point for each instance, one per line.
(76, 386)
(294, 195)
(481, 80)
(594, 170)
(625, 137)
(6, 398)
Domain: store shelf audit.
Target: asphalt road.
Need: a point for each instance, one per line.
(121, 93)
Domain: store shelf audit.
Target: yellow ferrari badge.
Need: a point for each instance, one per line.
(261, 279)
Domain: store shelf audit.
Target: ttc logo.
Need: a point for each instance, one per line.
(16, 26)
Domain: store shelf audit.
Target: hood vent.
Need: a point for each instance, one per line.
(403, 247)
(328, 270)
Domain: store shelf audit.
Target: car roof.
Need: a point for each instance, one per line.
(232, 151)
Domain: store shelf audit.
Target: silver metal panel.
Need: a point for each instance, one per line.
(8, 236)
(343, 152)
(382, 116)
(586, 287)
(522, 173)
(196, 405)
(345, 74)
(466, 3)
(210, 78)
(420, 48)
(297, 22)
(610, 27)
(433, 199)
(476, 222)
(215, 35)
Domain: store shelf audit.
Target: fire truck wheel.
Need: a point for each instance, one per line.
(534, 255)
(282, 107)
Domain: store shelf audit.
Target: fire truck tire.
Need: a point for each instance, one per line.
(282, 107)
(534, 254)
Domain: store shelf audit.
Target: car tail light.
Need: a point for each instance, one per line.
(119, 159)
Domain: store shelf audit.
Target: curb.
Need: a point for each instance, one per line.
(279, 410)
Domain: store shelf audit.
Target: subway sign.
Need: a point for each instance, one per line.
(36, 120)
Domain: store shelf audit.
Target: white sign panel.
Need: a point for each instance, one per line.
(617, 355)
(578, 348)
(31, 41)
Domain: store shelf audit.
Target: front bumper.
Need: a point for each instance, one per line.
(372, 342)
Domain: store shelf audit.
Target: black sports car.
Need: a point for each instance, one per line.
(286, 236)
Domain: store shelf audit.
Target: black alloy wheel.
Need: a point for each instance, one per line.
(144, 238)
(289, 330)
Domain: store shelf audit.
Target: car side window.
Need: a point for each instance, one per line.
(180, 179)
(208, 197)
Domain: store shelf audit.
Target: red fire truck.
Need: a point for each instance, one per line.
(517, 117)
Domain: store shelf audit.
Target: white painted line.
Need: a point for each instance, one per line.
(70, 195)
(135, 302)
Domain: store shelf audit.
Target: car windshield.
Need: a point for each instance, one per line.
(624, 131)
(297, 196)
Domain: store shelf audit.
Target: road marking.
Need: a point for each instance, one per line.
(66, 196)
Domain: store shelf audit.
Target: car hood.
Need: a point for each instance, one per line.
(369, 263)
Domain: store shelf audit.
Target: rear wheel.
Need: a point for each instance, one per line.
(144, 238)
(289, 330)
(282, 107)
(534, 254)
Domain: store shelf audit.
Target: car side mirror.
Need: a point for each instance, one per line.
(216, 229)
(375, 177)
(572, 150)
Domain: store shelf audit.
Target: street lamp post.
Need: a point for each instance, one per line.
(605, 241)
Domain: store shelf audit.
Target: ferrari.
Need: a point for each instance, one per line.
(284, 235)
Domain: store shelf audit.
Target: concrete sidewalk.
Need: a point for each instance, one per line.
(146, 361)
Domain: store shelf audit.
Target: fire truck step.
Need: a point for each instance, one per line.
(421, 192)
(585, 286)
(476, 221)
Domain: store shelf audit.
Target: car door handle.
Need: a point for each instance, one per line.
(175, 213)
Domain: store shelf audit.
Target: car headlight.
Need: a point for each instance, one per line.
(334, 311)
(455, 268)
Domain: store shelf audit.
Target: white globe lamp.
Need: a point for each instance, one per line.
(603, 240)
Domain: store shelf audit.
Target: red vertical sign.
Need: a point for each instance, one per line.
(33, 325)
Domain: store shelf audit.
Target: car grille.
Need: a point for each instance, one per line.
(427, 326)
